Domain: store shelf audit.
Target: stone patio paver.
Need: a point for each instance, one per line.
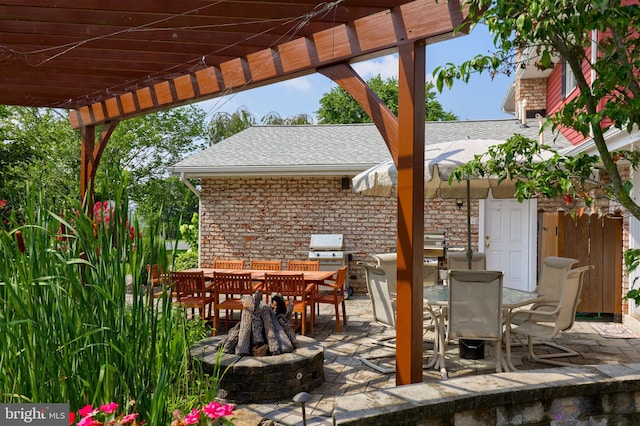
(346, 375)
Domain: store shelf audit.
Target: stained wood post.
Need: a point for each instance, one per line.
(410, 238)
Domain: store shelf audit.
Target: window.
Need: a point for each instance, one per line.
(568, 79)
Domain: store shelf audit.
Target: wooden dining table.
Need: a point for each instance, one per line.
(316, 277)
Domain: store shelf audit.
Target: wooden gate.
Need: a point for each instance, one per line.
(593, 241)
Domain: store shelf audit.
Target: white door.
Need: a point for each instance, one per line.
(508, 240)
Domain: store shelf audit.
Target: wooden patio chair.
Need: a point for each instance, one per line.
(192, 292)
(336, 297)
(228, 264)
(294, 289)
(303, 265)
(230, 287)
(265, 265)
(157, 280)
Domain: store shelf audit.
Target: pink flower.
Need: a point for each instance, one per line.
(3, 203)
(72, 418)
(128, 418)
(214, 410)
(109, 408)
(88, 421)
(193, 417)
(87, 410)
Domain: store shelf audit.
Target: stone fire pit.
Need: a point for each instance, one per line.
(265, 378)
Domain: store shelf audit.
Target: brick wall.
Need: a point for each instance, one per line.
(273, 218)
(534, 90)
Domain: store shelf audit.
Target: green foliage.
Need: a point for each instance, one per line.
(339, 107)
(553, 29)
(224, 125)
(145, 147)
(37, 145)
(76, 323)
(273, 118)
(186, 260)
(538, 170)
(189, 232)
(632, 261)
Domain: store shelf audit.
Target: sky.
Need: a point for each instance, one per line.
(479, 99)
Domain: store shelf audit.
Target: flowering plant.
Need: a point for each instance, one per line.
(102, 212)
(105, 415)
(213, 413)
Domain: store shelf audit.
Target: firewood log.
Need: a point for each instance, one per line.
(257, 301)
(272, 339)
(229, 346)
(257, 329)
(283, 340)
(286, 325)
(244, 337)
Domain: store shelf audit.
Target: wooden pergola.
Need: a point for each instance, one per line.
(109, 60)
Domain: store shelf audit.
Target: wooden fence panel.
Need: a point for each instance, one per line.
(612, 265)
(593, 241)
(592, 285)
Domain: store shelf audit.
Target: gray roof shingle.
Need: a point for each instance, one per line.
(341, 149)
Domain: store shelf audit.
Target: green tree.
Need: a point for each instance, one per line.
(145, 147)
(339, 107)
(223, 124)
(273, 118)
(38, 147)
(553, 29)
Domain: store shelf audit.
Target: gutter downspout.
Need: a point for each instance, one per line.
(197, 193)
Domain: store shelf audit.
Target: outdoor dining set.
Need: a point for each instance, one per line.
(470, 304)
(221, 288)
(473, 304)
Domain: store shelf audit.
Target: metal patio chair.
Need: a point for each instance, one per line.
(547, 320)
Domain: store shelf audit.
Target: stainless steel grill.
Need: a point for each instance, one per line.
(435, 251)
(329, 250)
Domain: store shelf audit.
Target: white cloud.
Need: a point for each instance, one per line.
(300, 83)
(386, 66)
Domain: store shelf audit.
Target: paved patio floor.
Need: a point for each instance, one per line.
(345, 374)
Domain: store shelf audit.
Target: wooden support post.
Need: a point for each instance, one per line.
(90, 155)
(410, 238)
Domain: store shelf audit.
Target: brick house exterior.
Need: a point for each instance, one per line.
(265, 190)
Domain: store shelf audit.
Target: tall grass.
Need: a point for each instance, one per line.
(69, 332)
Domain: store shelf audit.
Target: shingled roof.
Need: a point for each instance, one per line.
(328, 150)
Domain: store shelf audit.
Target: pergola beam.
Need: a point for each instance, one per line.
(362, 38)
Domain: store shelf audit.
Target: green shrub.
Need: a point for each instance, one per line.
(76, 324)
(186, 260)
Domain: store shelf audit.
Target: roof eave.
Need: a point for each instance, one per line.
(265, 171)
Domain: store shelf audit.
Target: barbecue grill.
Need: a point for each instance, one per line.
(435, 251)
(329, 250)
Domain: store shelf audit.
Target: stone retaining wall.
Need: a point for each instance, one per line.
(594, 395)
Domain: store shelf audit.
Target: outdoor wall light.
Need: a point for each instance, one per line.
(346, 183)
(459, 203)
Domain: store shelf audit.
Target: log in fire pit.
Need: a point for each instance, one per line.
(266, 360)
